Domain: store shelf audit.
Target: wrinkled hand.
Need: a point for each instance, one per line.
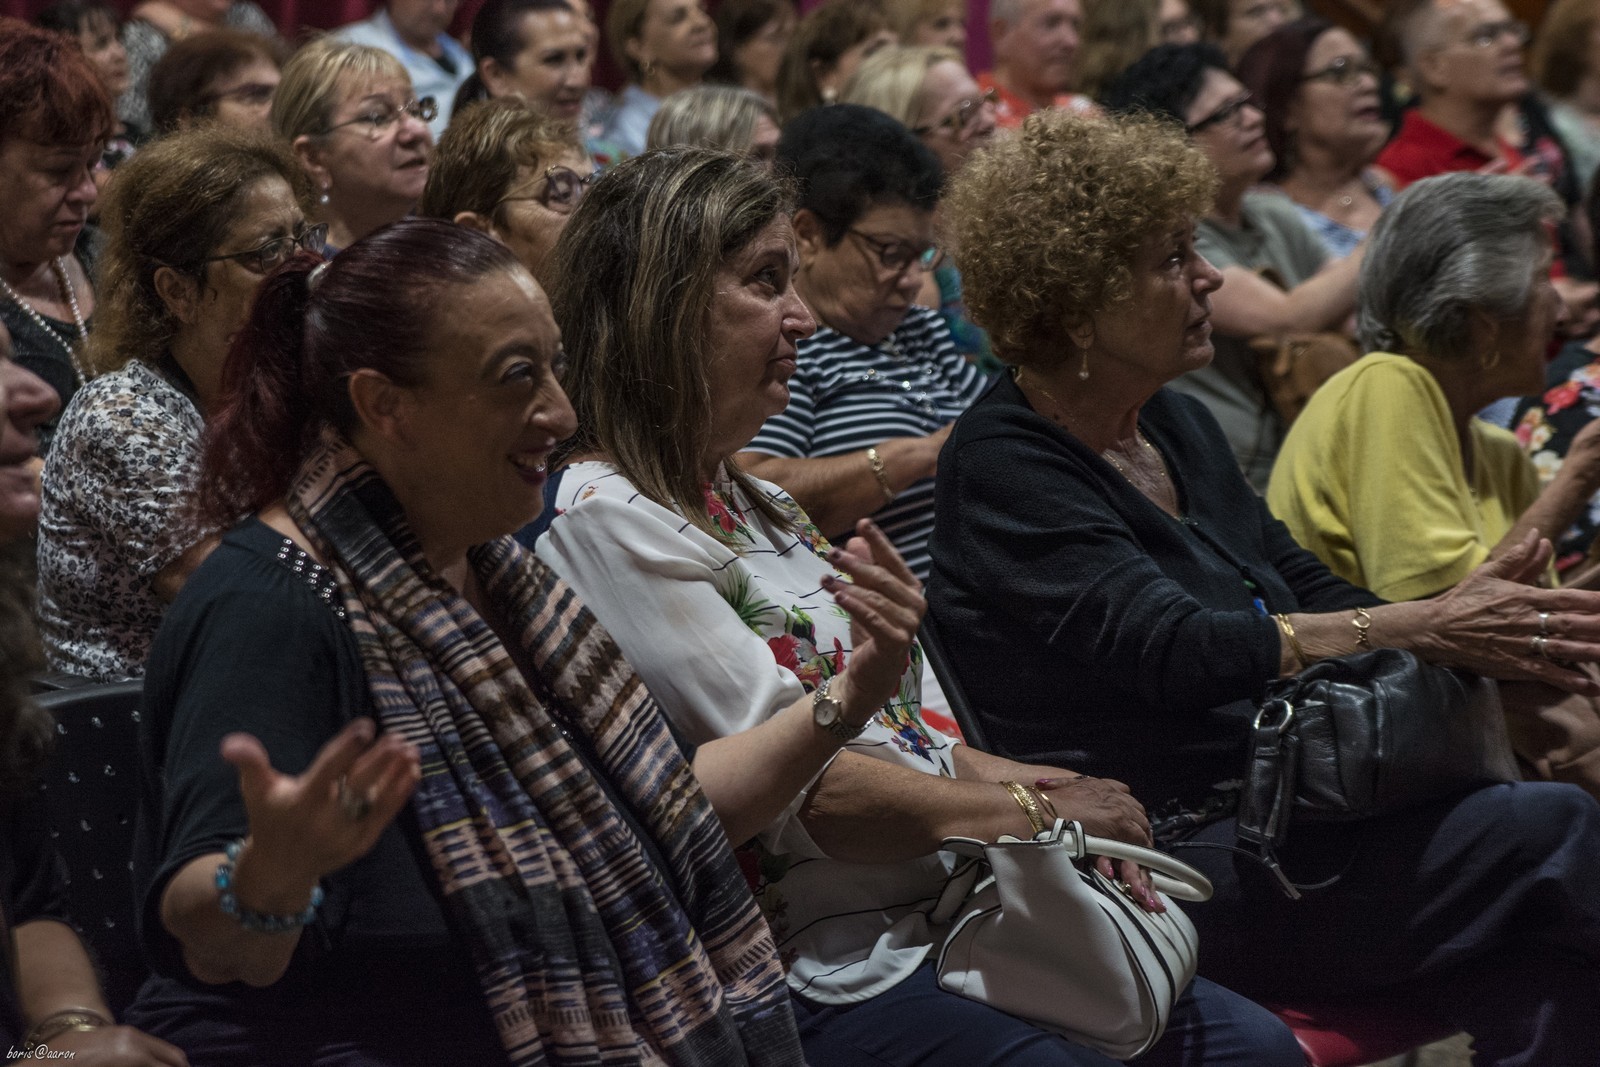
(1487, 623)
(1106, 808)
(317, 822)
(116, 1046)
(884, 601)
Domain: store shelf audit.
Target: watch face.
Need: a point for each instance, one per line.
(825, 711)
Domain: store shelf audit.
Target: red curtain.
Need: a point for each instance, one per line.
(292, 16)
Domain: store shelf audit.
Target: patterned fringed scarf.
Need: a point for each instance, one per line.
(585, 953)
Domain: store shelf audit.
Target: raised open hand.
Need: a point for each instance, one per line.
(884, 600)
(314, 823)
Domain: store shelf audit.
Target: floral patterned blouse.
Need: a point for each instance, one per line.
(725, 631)
(1546, 425)
(117, 487)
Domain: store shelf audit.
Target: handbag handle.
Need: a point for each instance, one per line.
(1170, 876)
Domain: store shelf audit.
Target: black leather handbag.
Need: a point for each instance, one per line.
(1366, 735)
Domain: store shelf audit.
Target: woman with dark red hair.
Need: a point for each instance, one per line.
(54, 119)
(1318, 91)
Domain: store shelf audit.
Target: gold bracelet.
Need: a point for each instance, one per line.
(74, 1020)
(1029, 805)
(1294, 642)
(875, 461)
(1363, 622)
(1044, 799)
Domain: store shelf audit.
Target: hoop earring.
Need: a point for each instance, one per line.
(647, 68)
(1491, 362)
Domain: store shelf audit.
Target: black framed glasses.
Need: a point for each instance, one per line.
(263, 258)
(1345, 71)
(380, 117)
(964, 115)
(563, 189)
(896, 256)
(1488, 34)
(1228, 112)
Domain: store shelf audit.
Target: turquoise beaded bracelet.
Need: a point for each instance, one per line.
(257, 921)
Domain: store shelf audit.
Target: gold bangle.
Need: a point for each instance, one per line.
(1029, 805)
(1294, 642)
(74, 1020)
(875, 461)
(1363, 622)
(1048, 804)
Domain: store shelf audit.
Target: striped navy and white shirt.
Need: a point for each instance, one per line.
(846, 396)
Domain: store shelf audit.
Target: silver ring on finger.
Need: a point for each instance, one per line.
(1544, 624)
(1540, 646)
(354, 806)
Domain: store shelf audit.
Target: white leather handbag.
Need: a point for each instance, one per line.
(1037, 932)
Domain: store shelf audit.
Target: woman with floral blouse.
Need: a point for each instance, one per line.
(674, 290)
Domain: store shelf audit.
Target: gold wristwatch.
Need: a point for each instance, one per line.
(828, 713)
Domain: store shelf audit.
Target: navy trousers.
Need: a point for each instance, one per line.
(917, 1024)
(1483, 911)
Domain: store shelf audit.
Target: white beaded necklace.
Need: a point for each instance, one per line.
(59, 267)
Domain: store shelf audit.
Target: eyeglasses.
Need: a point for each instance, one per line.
(1228, 112)
(265, 257)
(563, 189)
(380, 117)
(251, 94)
(1345, 71)
(965, 114)
(895, 256)
(1488, 35)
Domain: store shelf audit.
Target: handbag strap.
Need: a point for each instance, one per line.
(1169, 875)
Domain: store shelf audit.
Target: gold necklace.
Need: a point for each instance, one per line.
(1161, 464)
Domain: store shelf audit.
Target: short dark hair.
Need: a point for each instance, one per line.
(1271, 69)
(1165, 80)
(181, 80)
(847, 158)
(70, 16)
(497, 35)
(737, 22)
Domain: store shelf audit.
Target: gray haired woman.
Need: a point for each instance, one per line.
(717, 116)
(1390, 478)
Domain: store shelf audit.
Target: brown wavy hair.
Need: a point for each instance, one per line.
(171, 206)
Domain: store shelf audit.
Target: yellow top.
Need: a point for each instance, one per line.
(1370, 479)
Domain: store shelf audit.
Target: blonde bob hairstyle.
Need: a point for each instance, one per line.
(633, 281)
(169, 207)
(483, 154)
(315, 79)
(891, 80)
(1046, 225)
(709, 116)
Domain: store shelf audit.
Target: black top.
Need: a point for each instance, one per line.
(254, 643)
(1089, 628)
(32, 886)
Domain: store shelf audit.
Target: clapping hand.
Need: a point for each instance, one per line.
(884, 600)
(312, 824)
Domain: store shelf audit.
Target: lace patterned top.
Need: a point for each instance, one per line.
(726, 631)
(117, 486)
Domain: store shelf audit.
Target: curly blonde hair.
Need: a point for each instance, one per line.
(1046, 225)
